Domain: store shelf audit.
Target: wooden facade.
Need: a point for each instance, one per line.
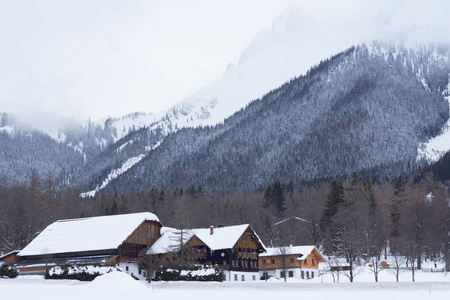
(139, 241)
(293, 263)
(242, 256)
(131, 250)
(10, 258)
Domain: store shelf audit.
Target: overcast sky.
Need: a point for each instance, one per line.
(109, 58)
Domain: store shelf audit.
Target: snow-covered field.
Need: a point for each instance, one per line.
(119, 285)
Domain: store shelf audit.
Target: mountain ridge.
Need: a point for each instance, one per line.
(361, 96)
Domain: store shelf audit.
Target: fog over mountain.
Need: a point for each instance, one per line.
(299, 38)
(365, 110)
(110, 59)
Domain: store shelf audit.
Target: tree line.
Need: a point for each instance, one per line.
(353, 218)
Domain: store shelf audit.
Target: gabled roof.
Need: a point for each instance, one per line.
(169, 241)
(222, 238)
(86, 234)
(9, 253)
(304, 251)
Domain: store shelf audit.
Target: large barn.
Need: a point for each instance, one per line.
(103, 240)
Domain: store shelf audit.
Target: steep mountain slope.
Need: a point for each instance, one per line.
(23, 150)
(62, 151)
(297, 40)
(365, 109)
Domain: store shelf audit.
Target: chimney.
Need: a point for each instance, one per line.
(211, 230)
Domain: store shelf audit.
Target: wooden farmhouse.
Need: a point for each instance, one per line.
(300, 262)
(97, 240)
(235, 249)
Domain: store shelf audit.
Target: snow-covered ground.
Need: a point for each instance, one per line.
(119, 285)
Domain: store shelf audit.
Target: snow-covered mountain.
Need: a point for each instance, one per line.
(364, 110)
(296, 41)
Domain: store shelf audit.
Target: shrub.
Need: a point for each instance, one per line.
(8, 272)
(200, 273)
(77, 272)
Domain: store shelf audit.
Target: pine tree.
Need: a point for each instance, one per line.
(394, 206)
(114, 208)
(334, 198)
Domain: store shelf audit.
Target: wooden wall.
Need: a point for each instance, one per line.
(11, 259)
(274, 262)
(146, 234)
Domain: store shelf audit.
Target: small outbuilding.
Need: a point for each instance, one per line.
(299, 262)
(10, 258)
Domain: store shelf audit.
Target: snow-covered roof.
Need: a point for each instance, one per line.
(86, 234)
(169, 240)
(297, 250)
(9, 253)
(222, 238)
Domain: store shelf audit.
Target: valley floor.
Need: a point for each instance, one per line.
(118, 285)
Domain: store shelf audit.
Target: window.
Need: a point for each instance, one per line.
(242, 277)
(307, 274)
(291, 274)
(283, 261)
(313, 261)
(312, 274)
(224, 262)
(272, 261)
(264, 261)
(254, 277)
(303, 274)
(292, 260)
(127, 268)
(235, 277)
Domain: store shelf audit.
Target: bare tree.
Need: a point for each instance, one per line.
(183, 256)
(396, 265)
(375, 266)
(335, 268)
(284, 255)
(150, 263)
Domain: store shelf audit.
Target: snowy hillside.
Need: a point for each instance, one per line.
(298, 39)
(436, 147)
(276, 55)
